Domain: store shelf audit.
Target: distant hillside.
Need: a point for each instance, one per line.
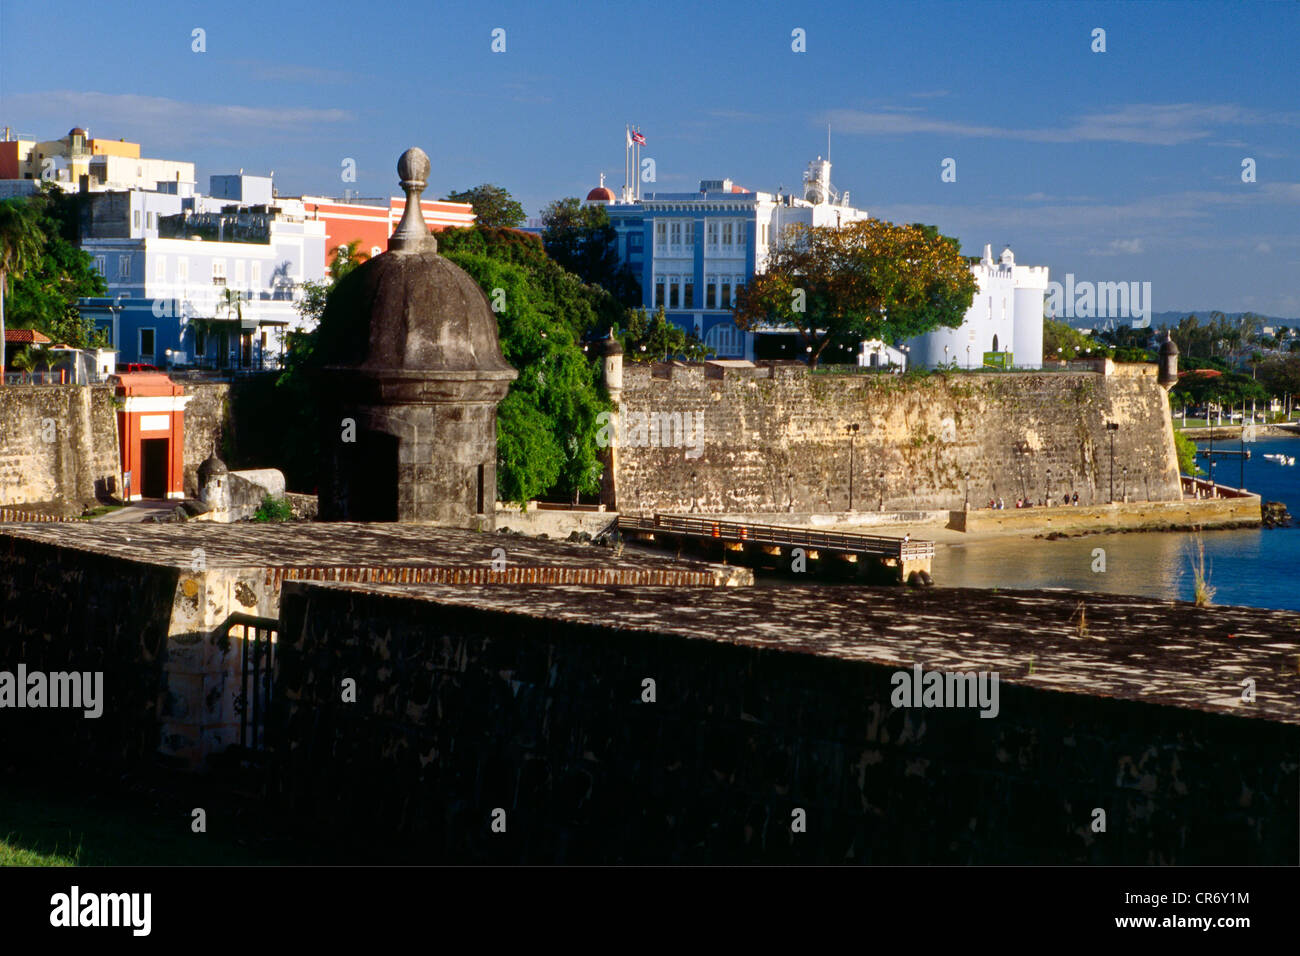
(1159, 319)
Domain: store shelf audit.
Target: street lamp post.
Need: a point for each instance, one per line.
(968, 358)
(1047, 498)
(1242, 482)
(1123, 488)
(1112, 427)
(853, 433)
(966, 506)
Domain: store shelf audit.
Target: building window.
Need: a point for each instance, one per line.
(672, 293)
(741, 235)
(182, 269)
(726, 294)
(135, 219)
(688, 294)
(239, 273)
(200, 344)
(124, 267)
(764, 234)
(255, 269)
(375, 251)
(713, 235)
(101, 265)
(659, 292)
(219, 272)
(160, 269)
(146, 343)
(661, 234)
(689, 238)
(635, 242)
(676, 234)
(710, 294)
(726, 233)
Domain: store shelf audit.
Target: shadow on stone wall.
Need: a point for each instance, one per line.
(544, 720)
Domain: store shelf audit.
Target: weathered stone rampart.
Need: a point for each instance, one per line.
(769, 701)
(59, 443)
(774, 439)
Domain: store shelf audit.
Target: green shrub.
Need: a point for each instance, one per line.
(1186, 449)
(273, 509)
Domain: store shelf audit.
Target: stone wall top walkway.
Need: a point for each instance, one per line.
(343, 545)
(1128, 647)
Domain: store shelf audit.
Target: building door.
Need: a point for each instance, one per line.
(373, 488)
(153, 467)
(246, 350)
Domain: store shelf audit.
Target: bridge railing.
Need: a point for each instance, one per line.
(775, 534)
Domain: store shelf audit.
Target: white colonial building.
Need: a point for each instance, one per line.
(1003, 326)
(170, 262)
(693, 252)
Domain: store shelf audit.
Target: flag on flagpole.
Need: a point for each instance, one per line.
(628, 130)
(638, 138)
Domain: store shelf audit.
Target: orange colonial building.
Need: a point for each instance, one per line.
(371, 224)
(151, 435)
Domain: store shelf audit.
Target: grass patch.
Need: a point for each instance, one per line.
(48, 829)
(101, 510)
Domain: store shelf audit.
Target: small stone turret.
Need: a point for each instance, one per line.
(1168, 375)
(412, 376)
(214, 484)
(611, 352)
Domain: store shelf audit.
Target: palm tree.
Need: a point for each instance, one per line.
(21, 243)
(23, 359)
(346, 258)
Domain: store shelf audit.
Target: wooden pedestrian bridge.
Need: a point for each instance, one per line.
(789, 549)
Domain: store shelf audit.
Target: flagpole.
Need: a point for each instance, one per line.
(627, 143)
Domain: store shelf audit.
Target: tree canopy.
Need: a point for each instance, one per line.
(44, 296)
(493, 205)
(580, 237)
(870, 279)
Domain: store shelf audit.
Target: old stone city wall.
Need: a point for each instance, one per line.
(59, 443)
(772, 438)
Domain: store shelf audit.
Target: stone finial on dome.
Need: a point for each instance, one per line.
(412, 234)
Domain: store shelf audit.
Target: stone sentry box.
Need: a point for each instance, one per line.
(412, 375)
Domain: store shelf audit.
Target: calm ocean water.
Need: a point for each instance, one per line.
(1259, 568)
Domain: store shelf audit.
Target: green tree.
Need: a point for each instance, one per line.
(346, 258)
(1186, 449)
(45, 297)
(546, 426)
(653, 338)
(580, 237)
(870, 280)
(586, 309)
(21, 245)
(1064, 341)
(493, 205)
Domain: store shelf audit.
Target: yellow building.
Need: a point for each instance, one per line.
(104, 163)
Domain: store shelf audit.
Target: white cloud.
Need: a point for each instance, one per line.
(159, 120)
(1145, 123)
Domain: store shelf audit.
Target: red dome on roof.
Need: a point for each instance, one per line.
(601, 194)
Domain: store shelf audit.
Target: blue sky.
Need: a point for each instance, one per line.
(1115, 166)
